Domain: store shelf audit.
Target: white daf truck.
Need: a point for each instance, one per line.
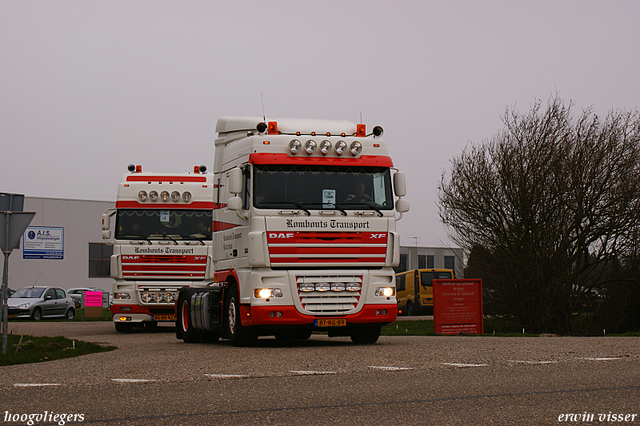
(161, 242)
(304, 234)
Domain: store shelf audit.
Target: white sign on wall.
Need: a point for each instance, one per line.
(43, 242)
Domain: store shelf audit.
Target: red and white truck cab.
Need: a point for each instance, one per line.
(161, 237)
(304, 233)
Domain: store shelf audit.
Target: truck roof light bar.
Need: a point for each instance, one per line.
(134, 169)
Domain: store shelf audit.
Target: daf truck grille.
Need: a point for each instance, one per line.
(165, 267)
(319, 249)
(329, 295)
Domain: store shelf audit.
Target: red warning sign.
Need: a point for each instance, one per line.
(457, 306)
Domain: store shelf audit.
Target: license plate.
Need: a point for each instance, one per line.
(163, 317)
(331, 322)
(10, 316)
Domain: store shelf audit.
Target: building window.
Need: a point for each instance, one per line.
(403, 263)
(450, 262)
(100, 260)
(431, 262)
(422, 261)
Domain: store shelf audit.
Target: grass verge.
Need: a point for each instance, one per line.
(24, 349)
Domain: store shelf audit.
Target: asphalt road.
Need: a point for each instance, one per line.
(154, 379)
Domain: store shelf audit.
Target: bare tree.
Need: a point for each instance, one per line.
(543, 205)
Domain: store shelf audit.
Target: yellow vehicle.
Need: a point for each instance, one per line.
(414, 291)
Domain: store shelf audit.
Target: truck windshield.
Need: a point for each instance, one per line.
(322, 187)
(136, 224)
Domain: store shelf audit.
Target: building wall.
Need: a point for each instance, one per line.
(81, 222)
(410, 258)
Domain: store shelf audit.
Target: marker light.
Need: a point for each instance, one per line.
(294, 146)
(273, 128)
(325, 147)
(310, 146)
(165, 196)
(153, 195)
(341, 147)
(175, 196)
(142, 195)
(186, 196)
(355, 148)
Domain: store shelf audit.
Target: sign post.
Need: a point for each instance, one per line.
(12, 225)
(92, 303)
(457, 306)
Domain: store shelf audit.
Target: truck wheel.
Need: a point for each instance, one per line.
(366, 335)
(238, 334)
(184, 327)
(123, 327)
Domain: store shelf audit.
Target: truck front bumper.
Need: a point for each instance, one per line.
(288, 315)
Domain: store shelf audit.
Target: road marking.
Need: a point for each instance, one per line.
(311, 373)
(601, 359)
(533, 362)
(391, 368)
(455, 364)
(133, 380)
(226, 376)
(27, 385)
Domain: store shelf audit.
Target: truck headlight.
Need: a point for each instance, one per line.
(267, 293)
(338, 287)
(310, 146)
(306, 287)
(121, 296)
(294, 146)
(325, 147)
(341, 147)
(353, 287)
(385, 291)
(355, 148)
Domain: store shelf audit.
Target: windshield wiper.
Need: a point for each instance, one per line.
(368, 204)
(169, 237)
(141, 237)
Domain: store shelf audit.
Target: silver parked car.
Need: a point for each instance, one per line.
(41, 302)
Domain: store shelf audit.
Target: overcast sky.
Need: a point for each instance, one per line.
(88, 87)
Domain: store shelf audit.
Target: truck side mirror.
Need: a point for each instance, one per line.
(106, 222)
(234, 203)
(400, 184)
(402, 206)
(106, 235)
(235, 180)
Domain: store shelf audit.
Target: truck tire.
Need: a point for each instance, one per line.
(238, 334)
(184, 327)
(366, 335)
(123, 327)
